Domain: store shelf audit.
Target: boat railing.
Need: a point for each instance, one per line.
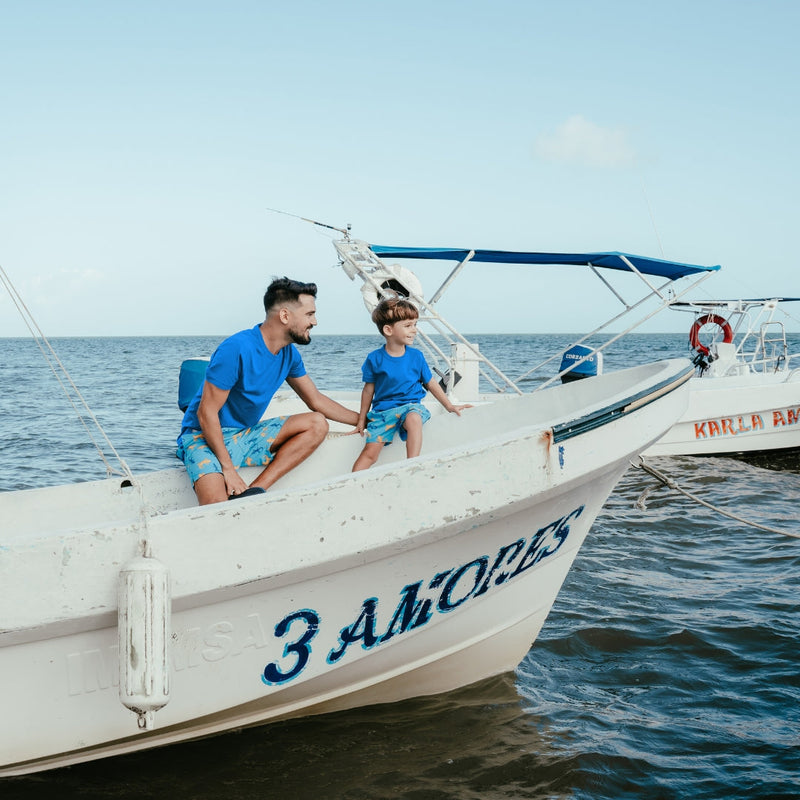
(763, 349)
(464, 357)
(758, 340)
(772, 344)
(465, 364)
(447, 366)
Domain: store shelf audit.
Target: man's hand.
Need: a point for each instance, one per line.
(234, 484)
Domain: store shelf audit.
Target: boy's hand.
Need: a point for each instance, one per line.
(360, 427)
(459, 409)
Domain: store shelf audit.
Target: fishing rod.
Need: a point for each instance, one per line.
(344, 231)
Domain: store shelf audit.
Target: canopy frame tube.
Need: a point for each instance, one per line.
(360, 259)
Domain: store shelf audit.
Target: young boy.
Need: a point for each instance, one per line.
(395, 379)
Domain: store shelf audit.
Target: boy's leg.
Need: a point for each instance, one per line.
(369, 455)
(413, 425)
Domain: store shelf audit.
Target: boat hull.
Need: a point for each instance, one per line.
(331, 591)
(739, 414)
(221, 650)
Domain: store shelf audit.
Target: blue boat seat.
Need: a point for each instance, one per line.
(192, 377)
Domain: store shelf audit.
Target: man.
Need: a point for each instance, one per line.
(222, 427)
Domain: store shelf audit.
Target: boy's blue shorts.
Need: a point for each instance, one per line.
(249, 447)
(382, 425)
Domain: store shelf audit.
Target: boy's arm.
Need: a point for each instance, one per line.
(367, 393)
(433, 387)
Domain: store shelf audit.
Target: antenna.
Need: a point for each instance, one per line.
(652, 218)
(344, 231)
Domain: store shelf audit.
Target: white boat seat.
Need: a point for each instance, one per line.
(726, 361)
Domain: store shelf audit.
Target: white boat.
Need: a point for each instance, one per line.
(745, 397)
(132, 618)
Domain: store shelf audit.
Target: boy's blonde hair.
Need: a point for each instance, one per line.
(392, 310)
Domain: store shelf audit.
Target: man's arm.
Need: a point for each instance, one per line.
(208, 416)
(307, 391)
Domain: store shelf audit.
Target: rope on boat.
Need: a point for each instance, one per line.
(53, 361)
(60, 371)
(669, 483)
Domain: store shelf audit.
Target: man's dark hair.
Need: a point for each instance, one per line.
(285, 290)
(392, 310)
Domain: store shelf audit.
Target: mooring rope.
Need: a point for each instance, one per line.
(669, 483)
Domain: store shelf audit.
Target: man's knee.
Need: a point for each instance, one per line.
(210, 488)
(314, 428)
(319, 425)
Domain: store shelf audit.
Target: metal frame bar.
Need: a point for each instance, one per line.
(450, 278)
(356, 258)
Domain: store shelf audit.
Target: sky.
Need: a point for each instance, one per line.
(143, 145)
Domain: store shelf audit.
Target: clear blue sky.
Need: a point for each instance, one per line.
(141, 144)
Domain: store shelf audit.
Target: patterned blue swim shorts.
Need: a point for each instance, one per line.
(382, 425)
(249, 447)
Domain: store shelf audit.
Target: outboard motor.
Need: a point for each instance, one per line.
(192, 377)
(592, 365)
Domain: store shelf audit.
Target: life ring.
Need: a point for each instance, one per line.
(394, 281)
(709, 319)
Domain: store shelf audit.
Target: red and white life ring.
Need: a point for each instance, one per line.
(709, 319)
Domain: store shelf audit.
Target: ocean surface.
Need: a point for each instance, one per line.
(669, 666)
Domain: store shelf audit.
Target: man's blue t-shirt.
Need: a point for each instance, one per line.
(398, 379)
(245, 367)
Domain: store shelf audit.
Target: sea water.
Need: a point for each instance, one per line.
(668, 667)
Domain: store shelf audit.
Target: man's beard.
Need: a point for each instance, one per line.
(298, 337)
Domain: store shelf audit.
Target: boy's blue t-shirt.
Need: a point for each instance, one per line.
(398, 379)
(245, 367)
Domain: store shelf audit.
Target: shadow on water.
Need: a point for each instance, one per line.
(782, 461)
(433, 747)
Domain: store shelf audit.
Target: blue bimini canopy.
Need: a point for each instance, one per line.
(750, 301)
(671, 270)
